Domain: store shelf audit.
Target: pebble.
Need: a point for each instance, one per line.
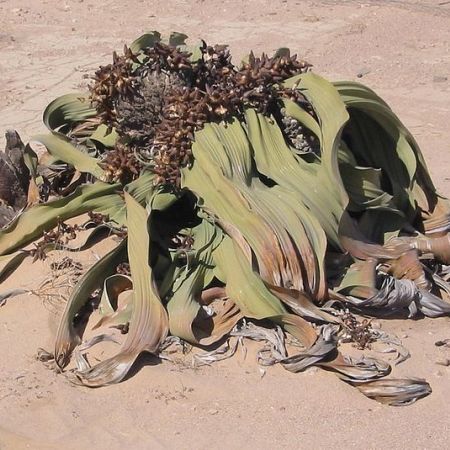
(443, 362)
(362, 72)
(439, 79)
(376, 324)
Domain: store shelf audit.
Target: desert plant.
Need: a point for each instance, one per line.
(260, 191)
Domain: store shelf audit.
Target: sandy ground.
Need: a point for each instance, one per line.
(402, 50)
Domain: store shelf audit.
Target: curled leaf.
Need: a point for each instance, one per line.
(149, 322)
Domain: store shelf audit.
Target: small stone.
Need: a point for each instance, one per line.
(311, 19)
(362, 72)
(443, 362)
(213, 412)
(439, 79)
(376, 324)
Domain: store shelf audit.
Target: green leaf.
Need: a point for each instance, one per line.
(68, 110)
(243, 285)
(307, 181)
(148, 39)
(282, 52)
(176, 39)
(112, 288)
(9, 263)
(104, 136)
(195, 51)
(277, 228)
(31, 161)
(385, 142)
(149, 322)
(63, 150)
(112, 311)
(31, 224)
(187, 318)
(11, 293)
(332, 116)
(67, 338)
(293, 110)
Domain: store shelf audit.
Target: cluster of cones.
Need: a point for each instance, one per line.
(157, 100)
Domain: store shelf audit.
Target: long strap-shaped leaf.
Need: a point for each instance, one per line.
(68, 110)
(332, 116)
(99, 197)
(63, 150)
(67, 338)
(228, 204)
(255, 300)
(228, 147)
(275, 159)
(9, 263)
(281, 235)
(148, 39)
(149, 321)
(407, 158)
(187, 318)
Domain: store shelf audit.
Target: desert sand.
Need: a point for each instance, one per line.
(401, 48)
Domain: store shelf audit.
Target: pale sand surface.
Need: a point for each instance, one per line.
(402, 48)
